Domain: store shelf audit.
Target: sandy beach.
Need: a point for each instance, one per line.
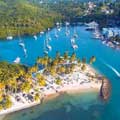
(52, 95)
(78, 81)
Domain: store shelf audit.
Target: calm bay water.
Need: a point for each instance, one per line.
(69, 107)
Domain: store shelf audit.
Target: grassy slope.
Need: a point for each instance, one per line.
(23, 17)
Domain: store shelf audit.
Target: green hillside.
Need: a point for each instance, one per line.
(23, 17)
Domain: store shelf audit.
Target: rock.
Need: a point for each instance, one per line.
(105, 89)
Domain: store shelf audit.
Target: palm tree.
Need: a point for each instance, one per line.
(92, 59)
(57, 55)
(1, 107)
(33, 69)
(65, 55)
(79, 62)
(58, 81)
(7, 103)
(39, 60)
(83, 68)
(25, 87)
(53, 71)
(37, 97)
(62, 69)
(73, 57)
(84, 60)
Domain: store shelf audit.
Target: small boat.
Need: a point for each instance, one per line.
(17, 60)
(49, 39)
(72, 40)
(9, 37)
(56, 36)
(89, 29)
(35, 37)
(22, 44)
(49, 47)
(67, 23)
(57, 23)
(25, 52)
(97, 34)
(67, 33)
(59, 29)
(45, 52)
(75, 35)
(75, 46)
(48, 29)
(41, 32)
(104, 42)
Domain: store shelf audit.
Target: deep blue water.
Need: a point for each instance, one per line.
(70, 107)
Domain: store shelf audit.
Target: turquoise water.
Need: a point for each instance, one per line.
(82, 107)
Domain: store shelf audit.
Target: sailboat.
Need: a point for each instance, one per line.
(59, 29)
(35, 37)
(41, 32)
(67, 32)
(21, 43)
(9, 37)
(57, 23)
(72, 40)
(75, 35)
(67, 23)
(75, 46)
(45, 51)
(96, 34)
(48, 46)
(56, 35)
(17, 60)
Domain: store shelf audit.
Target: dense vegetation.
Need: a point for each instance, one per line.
(32, 16)
(24, 17)
(80, 12)
(15, 78)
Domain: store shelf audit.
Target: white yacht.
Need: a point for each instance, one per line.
(57, 23)
(67, 23)
(41, 32)
(17, 60)
(72, 40)
(59, 29)
(22, 44)
(67, 33)
(35, 37)
(9, 37)
(110, 33)
(96, 34)
(49, 47)
(46, 52)
(49, 39)
(56, 35)
(75, 46)
(75, 35)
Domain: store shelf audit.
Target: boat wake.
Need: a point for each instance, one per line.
(112, 68)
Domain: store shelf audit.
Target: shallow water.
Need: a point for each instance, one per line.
(86, 109)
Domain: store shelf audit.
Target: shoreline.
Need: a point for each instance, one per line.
(49, 97)
(76, 82)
